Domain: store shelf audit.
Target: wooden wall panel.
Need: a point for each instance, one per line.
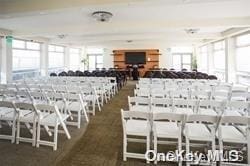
(152, 59)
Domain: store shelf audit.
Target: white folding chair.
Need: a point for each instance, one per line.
(8, 114)
(234, 130)
(184, 106)
(135, 123)
(200, 95)
(26, 114)
(139, 103)
(239, 93)
(76, 106)
(237, 108)
(161, 105)
(167, 126)
(220, 95)
(142, 92)
(200, 128)
(210, 107)
(50, 116)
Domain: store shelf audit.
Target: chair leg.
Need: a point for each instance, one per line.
(248, 152)
(13, 131)
(187, 150)
(55, 138)
(213, 150)
(18, 132)
(179, 148)
(124, 148)
(85, 113)
(221, 151)
(155, 147)
(148, 145)
(98, 104)
(34, 134)
(79, 119)
(38, 135)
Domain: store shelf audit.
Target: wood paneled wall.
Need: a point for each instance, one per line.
(152, 59)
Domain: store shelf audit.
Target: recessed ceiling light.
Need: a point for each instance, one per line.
(129, 41)
(191, 31)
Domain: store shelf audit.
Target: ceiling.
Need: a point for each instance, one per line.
(148, 23)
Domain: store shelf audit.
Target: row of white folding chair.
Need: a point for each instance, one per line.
(33, 116)
(202, 128)
(65, 102)
(89, 93)
(186, 94)
(206, 107)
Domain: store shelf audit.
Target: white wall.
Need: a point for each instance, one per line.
(108, 59)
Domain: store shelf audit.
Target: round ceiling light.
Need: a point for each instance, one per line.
(102, 16)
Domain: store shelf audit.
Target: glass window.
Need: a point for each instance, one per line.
(202, 59)
(219, 55)
(182, 61)
(243, 59)
(74, 58)
(18, 44)
(219, 59)
(56, 57)
(95, 57)
(243, 40)
(26, 59)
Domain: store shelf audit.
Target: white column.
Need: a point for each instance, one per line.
(165, 59)
(82, 57)
(66, 58)
(44, 59)
(108, 59)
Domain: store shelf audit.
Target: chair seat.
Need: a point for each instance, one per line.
(239, 98)
(4, 111)
(198, 132)
(137, 127)
(52, 119)
(76, 106)
(166, 129)
(8, 115)
(231, 134)
(204, 111)
(27, 116)
(183, 110)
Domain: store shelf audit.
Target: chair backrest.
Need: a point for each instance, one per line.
(7, 104)
(142, 93)
(25, 106)
(164, 102)
(185, 103)
(202, 118)
(138, 101)
(239, 120)
(169, 117)
(135, 115)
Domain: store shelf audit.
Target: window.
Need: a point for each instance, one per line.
(26, 59)
(202, 59)
(56, 58)
(219, 59)
(243, 58)
(95, 57)
(182, 57)
(74, 58)
(219, 55)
